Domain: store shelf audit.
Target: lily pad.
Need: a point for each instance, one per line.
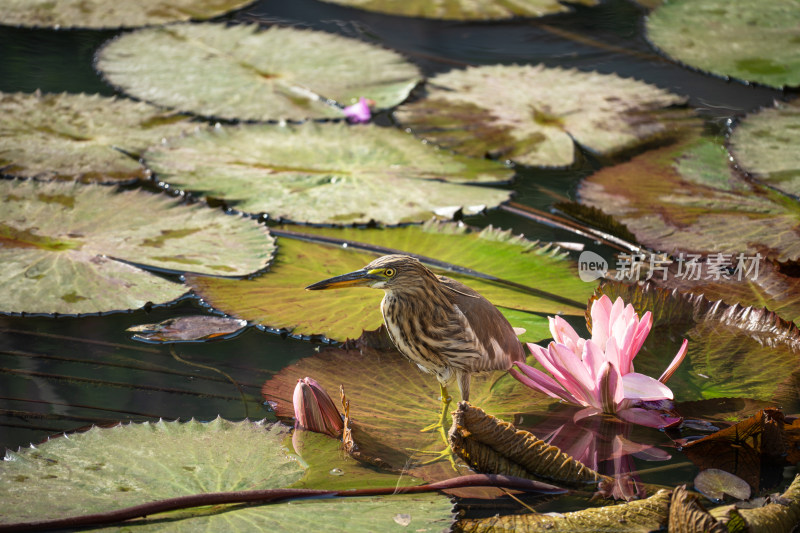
(69, 248)
(391, 400)
(107, 469)
(715, 483)
(752, 41)
(764, 144)
(734, 351)
(101, 14)
(79, 136)
(462, 9)
(703, 205)
(243, 72)
(481, 112)
(547, 282)
(327, 173)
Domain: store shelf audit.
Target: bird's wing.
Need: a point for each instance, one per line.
(495, 334)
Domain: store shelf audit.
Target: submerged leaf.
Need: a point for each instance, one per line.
(481, 111)
(752, 41)
(765, 145)
(79, 136)
(715, 483)
(188, 328)
(70, 248)
(704, 206)
(62, 14)
(243, 72)
(778, 514)
(547, 282)
(108, 469)
(463, 9)
(327, 173)
(637, 516)
(492, 446)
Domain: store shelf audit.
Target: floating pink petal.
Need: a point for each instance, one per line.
(358, 113)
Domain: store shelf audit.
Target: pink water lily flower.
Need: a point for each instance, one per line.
(359, 113)
(597, 373)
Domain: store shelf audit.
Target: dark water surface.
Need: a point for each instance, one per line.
(59, 374)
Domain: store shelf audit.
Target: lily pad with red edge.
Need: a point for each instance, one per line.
(245, 72)
(481, 111)
(63, 14)
(704, 205)
(764, 144)
(463, 9)
(277, 298)
(328, 173)
(89, 138)
(734, 351)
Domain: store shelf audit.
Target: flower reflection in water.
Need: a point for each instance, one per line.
(603, 444)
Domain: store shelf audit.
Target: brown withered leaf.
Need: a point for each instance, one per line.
(493, 446)
(649, 514)
(687, 515)
(743, 448)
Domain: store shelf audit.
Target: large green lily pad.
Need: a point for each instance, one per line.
(107, 469)
(734, 351)
(462, 9)
(79, 136)
(68, 247)
(102, 14)
(765, 145)
(752, 41)
(703, 205)
(327, 173)
(243, 72)
(278, 299)
(481, 111)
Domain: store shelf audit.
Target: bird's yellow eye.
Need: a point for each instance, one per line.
(389, 272)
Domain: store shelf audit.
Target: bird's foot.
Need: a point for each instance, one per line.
(447, 453)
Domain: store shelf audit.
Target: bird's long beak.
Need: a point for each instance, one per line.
(359, 278)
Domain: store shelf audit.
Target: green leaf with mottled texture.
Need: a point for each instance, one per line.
(71, 248)
(277, 298)
(81, 137)
(244, 72)
(765, 145)
(734, 351)
(327, 173)
(481, 111)
(463, 9)
(102, 14)
(752, 41)
(703, 204)
(108, 469)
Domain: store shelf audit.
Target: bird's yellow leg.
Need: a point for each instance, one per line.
(447, 453)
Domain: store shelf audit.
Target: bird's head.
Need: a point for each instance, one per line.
(390, 272)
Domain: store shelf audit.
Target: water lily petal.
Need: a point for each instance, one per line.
(625, 339)
(640, 387)
(609, 388)
(642, 331)
(593, 358)
(314, 409)
(358, 113)
(564, 334)
(585, 413)
(576, 377)
(676, 362)
(600, 313)
(645, 417)
(546, 359)
(536, 379)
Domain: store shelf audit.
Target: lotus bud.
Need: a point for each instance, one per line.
(314, 410)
